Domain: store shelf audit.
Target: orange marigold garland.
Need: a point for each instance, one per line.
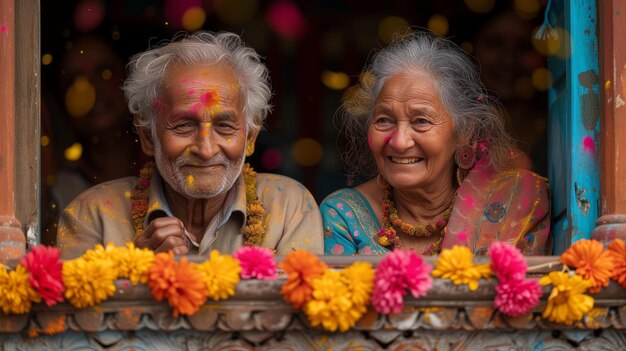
(617, 251)
(591, 262)
(139, 198)
(179, 282)
(301, 268)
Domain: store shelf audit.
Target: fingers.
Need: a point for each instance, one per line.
(164, 234)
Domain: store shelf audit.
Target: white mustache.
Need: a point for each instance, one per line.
(190, 160)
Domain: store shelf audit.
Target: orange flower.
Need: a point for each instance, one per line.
(591, 262)
(301, 267)
(179, 282)
(617, 251)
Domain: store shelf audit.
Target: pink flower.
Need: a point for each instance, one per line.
(256, 262)
(517, 297)
(45, 273)
(507, 262)
(388, 301)
(398, 271)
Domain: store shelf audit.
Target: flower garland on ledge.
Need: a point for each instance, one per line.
(330, 298)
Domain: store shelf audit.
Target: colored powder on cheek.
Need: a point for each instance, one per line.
(589, 144)
(190, 180)
(469, 202)
(389, 137)
(462, 236)
(3, 28)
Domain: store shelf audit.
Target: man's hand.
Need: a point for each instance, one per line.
(164, 234)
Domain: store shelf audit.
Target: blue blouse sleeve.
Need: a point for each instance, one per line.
(337, 238)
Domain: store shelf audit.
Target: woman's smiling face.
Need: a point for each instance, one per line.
(411, 135)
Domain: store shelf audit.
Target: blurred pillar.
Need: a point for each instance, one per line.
(612, 26)
(12, 239)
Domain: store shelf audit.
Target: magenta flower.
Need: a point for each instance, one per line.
(507, 261)
(398, 271)
(517, 297)
(256, 262)
(44, 266)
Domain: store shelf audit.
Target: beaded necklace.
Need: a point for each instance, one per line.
(387, 235)
(254, 231)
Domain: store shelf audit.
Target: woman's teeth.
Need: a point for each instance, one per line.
(405, 160)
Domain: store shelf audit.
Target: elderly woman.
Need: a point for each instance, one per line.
(440, 163)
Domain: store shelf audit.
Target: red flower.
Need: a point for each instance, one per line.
(45, 273)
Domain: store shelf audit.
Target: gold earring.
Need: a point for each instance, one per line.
(249, 149)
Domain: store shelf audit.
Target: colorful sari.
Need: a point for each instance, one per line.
(511, 206)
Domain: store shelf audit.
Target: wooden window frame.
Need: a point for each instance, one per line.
(20, 128)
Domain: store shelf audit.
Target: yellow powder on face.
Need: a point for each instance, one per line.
(190, 180)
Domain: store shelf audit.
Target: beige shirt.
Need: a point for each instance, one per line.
(102, 214)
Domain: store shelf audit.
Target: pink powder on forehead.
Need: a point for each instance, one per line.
(209, 98)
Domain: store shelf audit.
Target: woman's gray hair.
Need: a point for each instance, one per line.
(148, 70)
(476, 116)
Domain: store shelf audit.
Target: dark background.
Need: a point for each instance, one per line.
(314, 51)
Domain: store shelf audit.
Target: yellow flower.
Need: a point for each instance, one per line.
(331, 305)
(16, 294)
(110, 252)
(88, 282)
(135, 263)
(456, 264)
(220, 274)
(359, 278)
(566, 303)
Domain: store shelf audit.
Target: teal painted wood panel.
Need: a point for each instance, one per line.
(574, 122)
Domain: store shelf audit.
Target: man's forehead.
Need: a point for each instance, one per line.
(218, 79)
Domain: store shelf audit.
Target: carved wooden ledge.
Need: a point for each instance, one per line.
(449, 317)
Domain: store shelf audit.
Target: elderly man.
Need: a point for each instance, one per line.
(199, 104)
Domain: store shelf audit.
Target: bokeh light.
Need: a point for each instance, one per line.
(335, 80)
(45, 140)
(88, 15)
(236, 12)
(80, 97)
(549, 41)
(285, 18)
(193, 18)
(389, 26)
(46, 59)
(467, 47)
(438, 24)
(107, 74)
(175, 11)
(542, 79)
(307, 152)
(115, 33)
(527, 9)
(74, 152)
(480, 6)
(272, 158)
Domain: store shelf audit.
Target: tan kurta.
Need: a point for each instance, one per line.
(102, 214)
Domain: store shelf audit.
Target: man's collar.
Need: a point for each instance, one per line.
(159, 207)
